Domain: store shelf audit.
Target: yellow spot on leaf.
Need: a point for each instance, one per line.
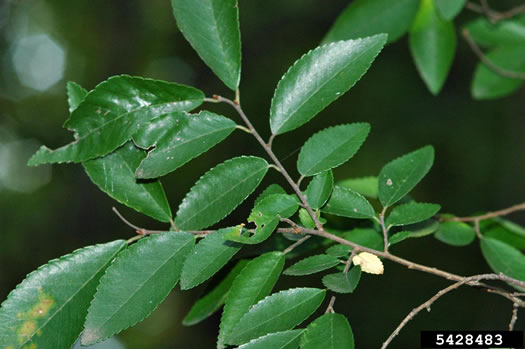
(26, 331)
(369, 263)
(30, 346)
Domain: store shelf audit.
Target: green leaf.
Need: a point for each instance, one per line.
(40, 307)
(504, 230)
(503, 258)
(219, 191)
(365, 237)
(269, 190)
(331, 147)
(255, 282)
(114, 174)
(343, 282)
(368, 17)
(398, 237)
(423, 229)
(366, 186)
(177, 138)
(212, 301)
(330, 331)
(455, 233)
(266, 215)
(137, 281)
(116, 109)
(433, 46)
(212, 29)
(319, 78)
(75, 95)
(277, 340)
(448, 9)
(279, 312)
(510, 32)
(311, 265)
(348, 203)
(319, 189)
(488, 84)
(207, 258)
(411, 213)
(400, 176)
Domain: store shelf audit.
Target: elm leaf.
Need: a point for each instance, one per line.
(212, 29)
(279, 312)
(330, 331)
(177, 138)
(369, 17)
(319, 189)
(254, 283)
(487, 84)
(343, 282)
(510, 32)
(139, 279)
(113, 112)
(503, 258)
(207, 258)
(348, 203)
(277, 340)
(366, 186)
(311, 265)
(212, 301)
(448, 9)
(75, 95)
(455, 233)
(320, 77)
(114, 174)
(400, 176)
(41, 306)
(433, 45)
(331, 147)
(269, 190)
(411, 213)
(219, 191)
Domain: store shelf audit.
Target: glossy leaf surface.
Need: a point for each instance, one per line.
(279, 312)
(41, 306)
(400, 176)
(207, 258)
(433, 45)
(134, 285)
(266, 216)
(319, 78)
(254, 283)
(488, 84)
(348, 203)
(503, 258)
(116, 109)
(269, 190)
(114, 174)
(343, 282)
(411, 213)
(369, 17)
(330, 331)
(312, 264)
(331, 147)
(75, 95)
(219, 191)
(319, 189)
(213, 300)
(455, 233)
(448, 9)
(277, 340)
(212, 28)
(177, 138)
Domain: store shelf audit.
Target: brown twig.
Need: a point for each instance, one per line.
(495, 68)
(330, 308)
(384, 229)
(514, 316)
(494, 214)
(428, 304)
(495, 16)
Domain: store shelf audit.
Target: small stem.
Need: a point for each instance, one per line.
(270, 141)
(514, 316)
(274, 158)
(275, 167)
(495, 16)
(494, 214)
(487, 11)
(295, 244)
(135, 238)
(299, 181)
(242, 128)
(330, 307)
(348, 263)
(237, 96)
(495, 68)
(384, 229)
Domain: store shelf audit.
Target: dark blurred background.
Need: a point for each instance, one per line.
(48, 211)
